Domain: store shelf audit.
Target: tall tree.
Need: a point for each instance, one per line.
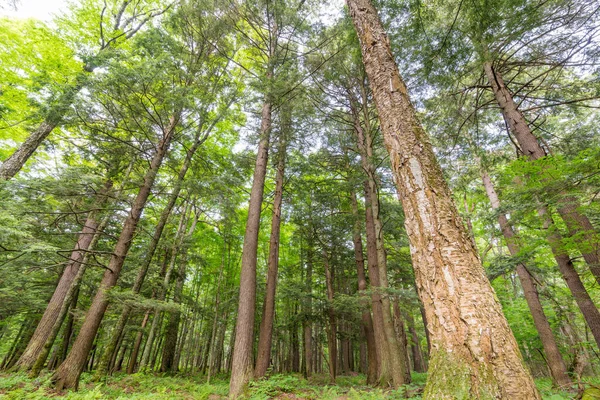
(449, 275)
(266, 325)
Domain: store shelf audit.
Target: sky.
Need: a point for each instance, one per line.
(39, 9)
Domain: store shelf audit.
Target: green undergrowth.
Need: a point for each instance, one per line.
(289, 386)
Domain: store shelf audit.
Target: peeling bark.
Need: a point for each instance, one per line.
(473, 352)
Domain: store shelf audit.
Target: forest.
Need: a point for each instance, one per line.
(297, 199)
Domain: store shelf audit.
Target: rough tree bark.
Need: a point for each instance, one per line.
(579, 226)
(67, 374)
(556, 363)
(242, 363)
(266, 325)
(473, 352)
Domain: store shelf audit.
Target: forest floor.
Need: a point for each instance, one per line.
(158, 387)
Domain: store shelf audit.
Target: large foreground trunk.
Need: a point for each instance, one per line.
(67, 374)
(473, 352)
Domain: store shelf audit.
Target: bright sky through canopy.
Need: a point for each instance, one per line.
(39, 9)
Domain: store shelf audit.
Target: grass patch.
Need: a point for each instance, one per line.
(289, 386)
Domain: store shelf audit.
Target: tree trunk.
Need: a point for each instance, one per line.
(70, 296)
(295, 343)
(51, 315)
(242, 363)
(332, 331)
(367, 322)
(384, 366)
(473, 352)
(417, 355)
(308, 345)
(400, 372)
(555, 361)
(393, 370)
(67, 374)
(579, 226)
(579, 352)
(401, 337)
(425, 326)
(168, 355)
(19, 343)
(68, 332)
(215, 318)
(182, 341)
(567, 269)
(137, 344)
(266, 325)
